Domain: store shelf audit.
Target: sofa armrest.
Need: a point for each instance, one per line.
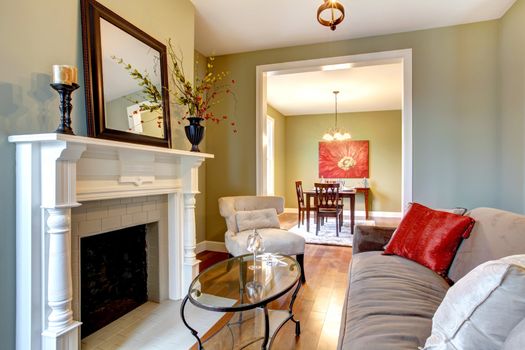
(369, 238)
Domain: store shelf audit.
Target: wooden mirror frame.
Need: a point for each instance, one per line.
(92, 12)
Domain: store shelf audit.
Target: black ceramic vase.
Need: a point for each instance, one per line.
(194, 132)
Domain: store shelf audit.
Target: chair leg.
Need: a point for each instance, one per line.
(230, 263)
(317, 225)
(299, 218)
(300, 260)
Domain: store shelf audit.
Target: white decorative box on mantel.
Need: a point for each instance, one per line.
(55, 172)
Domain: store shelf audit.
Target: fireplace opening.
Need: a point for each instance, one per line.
(113, 276)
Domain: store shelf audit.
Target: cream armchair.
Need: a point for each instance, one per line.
(244, 213)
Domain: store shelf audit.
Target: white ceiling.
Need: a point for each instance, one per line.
(366, 88)
(230, 26)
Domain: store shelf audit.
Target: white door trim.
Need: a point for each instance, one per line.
(404, 56)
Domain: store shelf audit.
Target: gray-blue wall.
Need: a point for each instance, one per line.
(34, 35)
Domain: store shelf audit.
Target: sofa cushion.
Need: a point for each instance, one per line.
(274, 240)
(482, 308)
(497, 233)
(256, 219)
(429, 237)
(516, 338)
(389, 304)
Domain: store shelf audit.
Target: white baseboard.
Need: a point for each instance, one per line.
(374, 214)
(377, 214)
(210, 246)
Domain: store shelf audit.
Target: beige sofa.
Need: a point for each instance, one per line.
(390, 300)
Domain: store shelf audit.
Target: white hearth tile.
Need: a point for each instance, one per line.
(89, 226)
(133, 208)
(150, 205)
(140, 218)
(111, 223)
(162, 206)
(153, 215)
(97, 213)
(126, 200)
(78, 214)
(117, 210)
(156, 198)
(127, 220)
(90, 204)
(112, 202)
(152, 326)
(140, 199)
(75, 226)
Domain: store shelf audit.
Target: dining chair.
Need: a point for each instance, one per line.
(328, 205)
(301, 204)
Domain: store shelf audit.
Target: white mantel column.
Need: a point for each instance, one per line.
(58, 174)
(191, 264)
(190, 187)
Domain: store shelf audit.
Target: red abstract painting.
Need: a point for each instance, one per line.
(343, 159)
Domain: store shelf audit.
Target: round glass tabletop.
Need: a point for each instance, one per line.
(231, 285)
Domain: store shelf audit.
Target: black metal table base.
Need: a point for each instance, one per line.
(266, 338)
(193, 331)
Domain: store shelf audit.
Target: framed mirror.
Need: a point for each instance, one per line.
(117, 107)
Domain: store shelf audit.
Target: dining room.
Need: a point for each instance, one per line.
(338, 125)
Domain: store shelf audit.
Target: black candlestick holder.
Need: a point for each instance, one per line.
(64, 91)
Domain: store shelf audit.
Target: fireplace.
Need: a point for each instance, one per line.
(70, 187)
(113, 276)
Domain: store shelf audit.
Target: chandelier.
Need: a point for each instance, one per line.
(335, 11)
(336, 134)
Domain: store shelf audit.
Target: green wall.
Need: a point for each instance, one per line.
(383, 131)
(455, 116)
(511, 122)
(280, 150)
(34, 35)
(200, 200)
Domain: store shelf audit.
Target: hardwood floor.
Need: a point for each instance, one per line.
(319, 303)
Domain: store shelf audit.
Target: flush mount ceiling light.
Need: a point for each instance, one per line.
(330, 13)
(336, 134)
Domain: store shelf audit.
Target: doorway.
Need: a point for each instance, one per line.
(404, 57)
(270, 156)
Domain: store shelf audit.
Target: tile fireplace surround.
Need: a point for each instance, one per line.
(56, 173)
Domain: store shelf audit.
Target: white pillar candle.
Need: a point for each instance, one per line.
(74, 75)
(63, 74)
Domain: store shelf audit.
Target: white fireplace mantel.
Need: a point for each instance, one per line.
(56, 172)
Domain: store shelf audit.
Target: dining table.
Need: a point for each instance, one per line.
(344, 193)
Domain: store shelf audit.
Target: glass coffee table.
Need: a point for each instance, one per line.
(235, 286)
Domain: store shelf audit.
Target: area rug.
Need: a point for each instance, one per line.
(327, 232)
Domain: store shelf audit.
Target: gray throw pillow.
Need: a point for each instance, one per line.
(255, 219)
(482, 308)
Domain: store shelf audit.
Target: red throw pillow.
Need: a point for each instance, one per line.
(429, 237)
